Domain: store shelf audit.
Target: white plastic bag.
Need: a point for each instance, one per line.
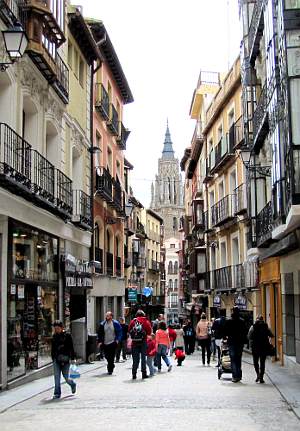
(74, 372)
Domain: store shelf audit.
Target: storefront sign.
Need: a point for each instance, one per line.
(132, 295)
(78, 273)
(217, 301)
(241, 302)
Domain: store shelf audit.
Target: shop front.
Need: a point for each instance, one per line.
(32, 298)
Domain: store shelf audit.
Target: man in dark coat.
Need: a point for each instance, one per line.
(139, 329)
(62, 352)
(189, 336)
(236, 332)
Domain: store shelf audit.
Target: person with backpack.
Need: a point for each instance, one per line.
(189, 337)
(109, 336)
(139, 329)
(203, 331)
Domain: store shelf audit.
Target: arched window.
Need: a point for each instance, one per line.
(170, 267)
(171, 284)
(175, 267)
(175, 283)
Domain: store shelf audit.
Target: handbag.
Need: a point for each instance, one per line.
(271, 351)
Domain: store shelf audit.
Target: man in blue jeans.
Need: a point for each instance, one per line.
(236, 332)
(62, 353)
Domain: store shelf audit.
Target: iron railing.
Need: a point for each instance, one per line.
(113, 121)
(222, 211)
(255, 26)
(260, 113)
(99, 260)
(82, 208)
(15, 157)
(102, 101)
(64, 196)
(224, 150)
(123, 136)
(62, 76)
(42, 177)
(109, 263)
(240, 199)
(239, 137)
(235, 277)
(104, 183)
(264, 225)
(118, 266)
(117, 195)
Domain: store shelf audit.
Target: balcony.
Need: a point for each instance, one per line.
(104, 184)
(223, 211)
(98, 260)
(236, 134)
(82, 215)
(140, 231)
(123, 136)
(109, 264)
(117, 200)
(208, 175)
(243, 276)
(141, 262)
(223, 152)
(264, 226)
(102, 102)
(26, 172)
(240, 199)
(260, 119)
(113, 121)
(256, 29)
(291, 14)
(118, 266)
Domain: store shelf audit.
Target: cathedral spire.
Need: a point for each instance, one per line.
(168, 152)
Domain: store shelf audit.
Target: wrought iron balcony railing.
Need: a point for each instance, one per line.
(42, 177)
(222, 211)
(237, 134)
(109, 263)
(61, 81)
(82, 209)
(223, 151)
(113, 121)
(118, 266)
(15, 159)
(104, 184)
(260, 117)
(240, 199)
(102, 101)
(99, 260)
(236, 277)
(64, 195)
(256, 29)
(264, 225)
(123, 136)
(117, 201)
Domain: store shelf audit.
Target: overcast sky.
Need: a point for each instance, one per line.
(162, 46)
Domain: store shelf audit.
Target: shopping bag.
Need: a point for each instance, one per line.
(74, 372)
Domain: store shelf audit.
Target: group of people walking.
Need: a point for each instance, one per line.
(152, 343)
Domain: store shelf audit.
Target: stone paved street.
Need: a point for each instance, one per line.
(188, 397)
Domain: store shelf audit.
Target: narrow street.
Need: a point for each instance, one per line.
(190, 397)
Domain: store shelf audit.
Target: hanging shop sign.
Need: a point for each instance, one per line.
(241, 302)
(132, 294)
(78, 273)
(217, 301)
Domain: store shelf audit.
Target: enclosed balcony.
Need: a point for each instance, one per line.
(223, 152)
(240, 199)
(109, 264)
(260, 119)
(113, 121)
(264, 226)
(223, 211)
(256, 29)
(104, 184)
(82, 215)
(123, 136)
(98, 260)
(102, 102)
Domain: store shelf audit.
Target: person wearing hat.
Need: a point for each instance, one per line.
(62, 352)
(236, 332)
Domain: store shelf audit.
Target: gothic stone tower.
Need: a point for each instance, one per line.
(166, 195)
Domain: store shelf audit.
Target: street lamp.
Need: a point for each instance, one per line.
(128, 209)
(16, 42)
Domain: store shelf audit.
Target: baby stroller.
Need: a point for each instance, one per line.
(225, 363)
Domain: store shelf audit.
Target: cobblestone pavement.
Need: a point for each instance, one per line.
(189, 397)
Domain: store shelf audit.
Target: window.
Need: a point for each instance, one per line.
(70, 54)
(81, 72)
(176, 267)
(230, 118)
(172, 245)
(97, 236)
(170, 267)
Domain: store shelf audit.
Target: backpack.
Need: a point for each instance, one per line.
(137, 332)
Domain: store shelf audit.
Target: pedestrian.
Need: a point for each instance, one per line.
(213, 347)
(236, 332)
(180, 356)
(189, 337)
(218, 331)
(62, 352)
(155, 323)
(151, 352)
(172, 337)
(122, 346)
(203, 331)
(259, 337)
(162, 343)
(109, 336)
(139, 329)
(179, 341)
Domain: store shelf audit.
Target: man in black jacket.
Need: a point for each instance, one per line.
(62, 353)
(236, 332)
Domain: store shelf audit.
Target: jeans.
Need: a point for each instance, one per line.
(121, 347)
(110, 353)
(260, 370)
(139, 351)
(58, 370)
(150, 360)
(162, 353)
(205, 346)
(235, 353)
